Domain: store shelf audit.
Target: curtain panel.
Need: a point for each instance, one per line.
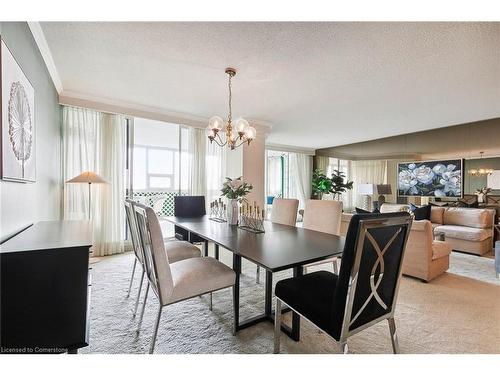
(95, 141)
(300, 177)
(366, 172)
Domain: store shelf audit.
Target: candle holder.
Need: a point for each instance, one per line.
(218, 211)
(251, 218)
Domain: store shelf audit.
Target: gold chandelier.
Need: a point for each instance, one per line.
(234, 137)
(479, 172)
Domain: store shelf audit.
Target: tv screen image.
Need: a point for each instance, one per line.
(436, 178)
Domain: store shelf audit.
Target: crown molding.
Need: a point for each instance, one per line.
(295, 149)
(43, 46)
(75, 99)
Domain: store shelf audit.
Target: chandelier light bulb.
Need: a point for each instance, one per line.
(241, 126)
(250, 133)
(215, 123)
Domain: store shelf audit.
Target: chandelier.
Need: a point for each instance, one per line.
(234, 136)
(479, 172)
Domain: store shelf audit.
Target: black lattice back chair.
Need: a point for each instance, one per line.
(365, 291)
(189, 206)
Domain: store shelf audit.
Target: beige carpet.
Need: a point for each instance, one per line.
(458, 312)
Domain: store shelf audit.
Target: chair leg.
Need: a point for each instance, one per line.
(234, 311)
(132, 278)
(257, 275)
(277, 326)
(210, 301)
(335, 267)
(143, 308)
(394, 336)
(155, 330)
(138, 295)
(343, 347)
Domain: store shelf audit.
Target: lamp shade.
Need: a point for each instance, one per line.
(367, 189)
(384, 189)
(87, 177)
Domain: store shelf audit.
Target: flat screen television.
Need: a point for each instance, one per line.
(431, 178)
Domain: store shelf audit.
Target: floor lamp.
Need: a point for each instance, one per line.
(88, 178)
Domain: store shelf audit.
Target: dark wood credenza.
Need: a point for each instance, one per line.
(45, 288)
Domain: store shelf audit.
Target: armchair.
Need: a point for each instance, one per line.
(425, 258)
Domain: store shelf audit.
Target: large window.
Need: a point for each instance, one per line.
(156, 156)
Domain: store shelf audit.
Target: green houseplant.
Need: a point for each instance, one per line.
(335, 185)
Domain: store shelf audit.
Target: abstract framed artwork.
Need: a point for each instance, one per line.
(431, 178)
(18, 141)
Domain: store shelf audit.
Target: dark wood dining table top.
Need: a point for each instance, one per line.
(280, 247)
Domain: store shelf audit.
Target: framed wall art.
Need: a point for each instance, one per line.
(18, 141)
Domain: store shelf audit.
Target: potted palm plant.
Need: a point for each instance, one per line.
(335, 185)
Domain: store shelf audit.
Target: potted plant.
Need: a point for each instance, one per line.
(335, 185)
(235, 191)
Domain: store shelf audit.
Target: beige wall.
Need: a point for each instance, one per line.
(254, 157)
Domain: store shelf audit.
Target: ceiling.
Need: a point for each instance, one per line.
(316, 84)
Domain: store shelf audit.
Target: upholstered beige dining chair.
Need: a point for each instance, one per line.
(178, 281)
(176, 250)
(284, 212)
(323, 216)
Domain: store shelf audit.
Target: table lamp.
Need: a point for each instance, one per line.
(88, 178)
(367, 190)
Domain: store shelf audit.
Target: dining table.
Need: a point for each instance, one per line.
(278, 248)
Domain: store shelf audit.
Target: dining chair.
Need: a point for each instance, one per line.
(323, 216)
(177, 250)
(284, 212)
(185, 279)
(190, 206)
(366, 289)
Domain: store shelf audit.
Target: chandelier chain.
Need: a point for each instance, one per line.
(230, 100)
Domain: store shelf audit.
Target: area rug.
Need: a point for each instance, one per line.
(459, 312)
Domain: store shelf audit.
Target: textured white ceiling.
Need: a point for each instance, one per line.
(318, 84)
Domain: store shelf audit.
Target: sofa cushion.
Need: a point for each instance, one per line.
(470, 217)
(437, 214)
(464, 233)
(391, 207)
(440, 249)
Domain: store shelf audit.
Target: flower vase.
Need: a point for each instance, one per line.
(232, 211)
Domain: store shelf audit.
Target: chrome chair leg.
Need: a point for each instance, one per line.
(143, 308)
(138, 295)
(335, 267)
(210, 301)
(257, 275)
(343, 347)
(277, 326)
(155, 330)
(394, 336)
(132, 278)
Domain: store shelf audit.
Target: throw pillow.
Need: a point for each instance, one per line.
(421, 213)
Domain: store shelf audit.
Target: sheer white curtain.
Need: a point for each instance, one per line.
(366, 172)
(215, 166)
(300, 177)
(94, 141)
(196, 149)
(322, 162)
